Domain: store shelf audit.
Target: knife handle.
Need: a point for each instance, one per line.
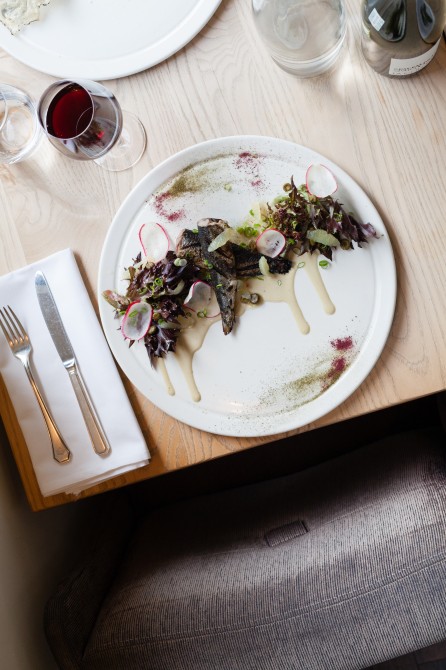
(97, 435)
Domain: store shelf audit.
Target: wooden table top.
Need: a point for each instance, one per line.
(389, 135)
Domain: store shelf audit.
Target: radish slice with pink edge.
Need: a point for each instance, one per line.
(271, 242)
(154, 241)
(320, 181)
(136, 320)
(201, 299)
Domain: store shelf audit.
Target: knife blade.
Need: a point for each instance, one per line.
(65, 350)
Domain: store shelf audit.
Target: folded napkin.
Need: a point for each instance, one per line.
(101, 377)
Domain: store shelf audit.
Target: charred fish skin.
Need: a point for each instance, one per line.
(225, 292)
(225, 288)
(222, 259)
(188, 246)
(221, 269)
(247, 262)
(224, 265)
(279, 265)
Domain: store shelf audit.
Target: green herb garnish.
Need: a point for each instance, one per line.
(310, 223)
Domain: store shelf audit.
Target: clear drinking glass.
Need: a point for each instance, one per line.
(304, 37)
(19, 127)
(84, 121)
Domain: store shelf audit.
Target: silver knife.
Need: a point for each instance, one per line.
(66, 353)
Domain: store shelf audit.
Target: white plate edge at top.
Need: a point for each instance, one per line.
(55, 65)
(375, 341)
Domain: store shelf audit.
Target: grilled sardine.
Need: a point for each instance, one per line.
(222, 259)
(247, 262)
(222, 271)
(188, 246)
(224, 265)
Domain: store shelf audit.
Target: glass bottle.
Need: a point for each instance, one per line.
(401, 37)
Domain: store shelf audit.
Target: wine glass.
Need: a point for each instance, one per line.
(84, 120)
(19, 128)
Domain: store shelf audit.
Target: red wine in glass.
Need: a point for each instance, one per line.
(83, 120)
(70, 112)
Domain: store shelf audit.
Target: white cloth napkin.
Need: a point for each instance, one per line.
(86, 468)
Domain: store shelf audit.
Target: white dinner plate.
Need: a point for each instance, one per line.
(265, 377)
(106, 39)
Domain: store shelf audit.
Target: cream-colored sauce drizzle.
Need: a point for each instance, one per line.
(280, 288)
(273, 288)
(161, 368)
(314, 274)
(190, 341)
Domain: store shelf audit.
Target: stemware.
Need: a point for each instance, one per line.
(19, 128)
(84, 120)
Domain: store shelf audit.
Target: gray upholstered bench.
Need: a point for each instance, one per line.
(337, 567)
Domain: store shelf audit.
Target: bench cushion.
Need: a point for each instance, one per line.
(336, 567)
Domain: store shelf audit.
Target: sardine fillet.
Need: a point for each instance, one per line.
(222, 270)
(224, 265)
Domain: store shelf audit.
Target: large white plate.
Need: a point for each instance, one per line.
(265, 377)
(106, 39)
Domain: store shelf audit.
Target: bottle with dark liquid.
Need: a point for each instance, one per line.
(401, 37)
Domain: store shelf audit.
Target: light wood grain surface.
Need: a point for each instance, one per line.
(389, 135)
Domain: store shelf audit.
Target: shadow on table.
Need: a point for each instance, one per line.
(288, 455)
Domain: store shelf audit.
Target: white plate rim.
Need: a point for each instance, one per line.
(56, 65)
(330, 399)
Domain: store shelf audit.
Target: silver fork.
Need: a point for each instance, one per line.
(20, 345)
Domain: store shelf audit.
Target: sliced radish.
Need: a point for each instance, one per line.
(201, 299)
(320, 181)
(271, 242)
(154, 241)
(136, 320)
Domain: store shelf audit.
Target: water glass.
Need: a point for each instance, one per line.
(304, 37)
(19, 127)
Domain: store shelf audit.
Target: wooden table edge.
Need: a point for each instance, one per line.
(36, 500)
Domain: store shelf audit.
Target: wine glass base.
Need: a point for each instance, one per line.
(128, 149)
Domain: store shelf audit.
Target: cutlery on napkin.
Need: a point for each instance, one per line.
(66, 353)
(128, 447)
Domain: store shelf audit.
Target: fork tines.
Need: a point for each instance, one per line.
(11, 326)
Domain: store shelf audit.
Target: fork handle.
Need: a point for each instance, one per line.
(61, 453)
